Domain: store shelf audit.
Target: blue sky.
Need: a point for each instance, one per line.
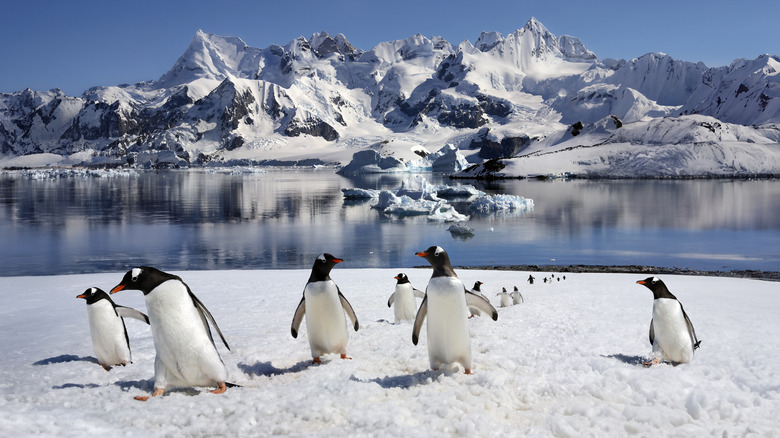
(73, 45)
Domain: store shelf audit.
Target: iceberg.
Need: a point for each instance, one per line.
(360, 194)
(371, 161)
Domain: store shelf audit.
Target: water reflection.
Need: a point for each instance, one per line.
(283, 219)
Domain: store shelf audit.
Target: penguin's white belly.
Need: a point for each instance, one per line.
(505, 300)
(447, 327)
(516, 298)
(326, 324)
(185, 354)
(404, 305)
(672, 340)
(108, 334)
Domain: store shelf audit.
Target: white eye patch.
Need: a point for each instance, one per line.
(656, 280)
(439, 250)
(92, 290)
(136, 272)
(321, 258)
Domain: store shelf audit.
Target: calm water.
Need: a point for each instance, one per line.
(179, 220)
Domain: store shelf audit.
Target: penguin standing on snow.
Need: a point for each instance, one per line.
(517, 297)
(476, 290)
(445, 307)
(505, 299)
(324, 307)
(671, 331)
(107, 327)
(185, 351)
(402, 300)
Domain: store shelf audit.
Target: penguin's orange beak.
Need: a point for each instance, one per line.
(117, 288)
(81, 296)
(641, 282)
(338, 260)
(421, 254)
(396, 277)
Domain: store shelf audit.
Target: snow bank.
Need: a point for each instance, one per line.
(562, 364)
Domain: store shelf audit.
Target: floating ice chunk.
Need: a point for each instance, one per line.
(43, 174)
(417, 187)
(355, 193)
(403, 205)
(466, 191)
(502, 203)
(461, 229)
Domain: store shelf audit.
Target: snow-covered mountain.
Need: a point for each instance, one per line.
(319, 100)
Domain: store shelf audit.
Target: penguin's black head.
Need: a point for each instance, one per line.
(477, 285)
(402, 278)
(439, 259)
(516, 289)
(93, 295)
(144, 278)
(657, 286)
(322, 266)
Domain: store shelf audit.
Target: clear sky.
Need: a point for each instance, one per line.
(74, 45)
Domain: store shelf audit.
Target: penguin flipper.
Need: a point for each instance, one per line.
(652, 332)
(204, 313)
(418, 293)
(129, 312)
(691, 332)
(350, 311)
(418, 320)
(390, 300)
(474, 300)
(298, 317)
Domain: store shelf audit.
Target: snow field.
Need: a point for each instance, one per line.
(564, 363)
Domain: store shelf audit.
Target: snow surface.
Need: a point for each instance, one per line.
(564, 363)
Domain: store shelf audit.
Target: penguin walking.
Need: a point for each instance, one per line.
(504, 297)
(402, 300)
(107, 327)
(185, 351)
(517, 297)
(671, 331)
(476, 290)
(324, 307)
(445, 307)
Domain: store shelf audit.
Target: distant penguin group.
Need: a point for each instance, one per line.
(187, 355)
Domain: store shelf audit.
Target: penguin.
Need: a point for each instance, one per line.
(445, 307)
(402, 300)
(476, 290)
(324, 307)
(517, 297)
(530, 279)
(185, 351)
(671, 331)
(107, 327)
(504, 297)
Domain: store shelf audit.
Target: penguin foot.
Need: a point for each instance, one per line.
(220, 388)
(344, 356)
(316, 361)
(106, 367)
(655, 361)
(141, 397)
(468, 371)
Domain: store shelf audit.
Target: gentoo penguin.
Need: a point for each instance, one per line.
(402, 300)
(445, 307)
(107, 327)
(186, 353)
(505, 299)
(517, 297)
(324, 307)
(671, 331)
(476, 290)
(530, 279)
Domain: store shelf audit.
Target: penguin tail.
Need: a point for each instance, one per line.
(232, 385)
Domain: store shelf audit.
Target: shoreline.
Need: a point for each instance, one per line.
(631, 269)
